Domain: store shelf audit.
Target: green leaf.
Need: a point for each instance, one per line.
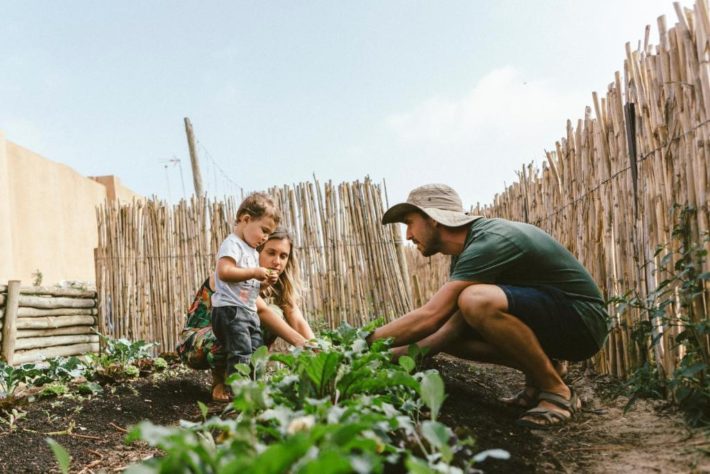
(60, 454)
(330, 462)
(279, 457)
(432, 392)
(90, 388)
(407, 363)
(322, 368)
(438, 435)
(417, 466)
(203, 409)
(243, 369)
(692, 370)
(259, 355)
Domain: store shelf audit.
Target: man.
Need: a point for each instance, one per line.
(515, 297)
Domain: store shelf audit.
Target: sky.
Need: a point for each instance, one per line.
(406, 92)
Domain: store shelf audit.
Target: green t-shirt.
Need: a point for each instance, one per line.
(498, 251)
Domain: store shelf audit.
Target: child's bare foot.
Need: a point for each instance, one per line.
(220, 393)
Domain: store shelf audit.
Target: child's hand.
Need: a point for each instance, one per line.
(261, 273)
(273, 277)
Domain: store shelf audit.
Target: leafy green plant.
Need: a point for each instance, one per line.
(60, 369)
(89, 388)
(160, 364)
(122, 351)
(54, 389)
(676, 302)
(11, 377)
(339, 406)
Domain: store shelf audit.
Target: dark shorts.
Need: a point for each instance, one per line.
(549, 313)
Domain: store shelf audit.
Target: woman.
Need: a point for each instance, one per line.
(281, 318)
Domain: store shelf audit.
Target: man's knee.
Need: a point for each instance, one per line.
(479, 303)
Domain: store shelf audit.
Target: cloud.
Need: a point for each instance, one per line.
(502, 104)
(479, 140)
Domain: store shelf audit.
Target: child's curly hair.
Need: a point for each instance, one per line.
(259, 205)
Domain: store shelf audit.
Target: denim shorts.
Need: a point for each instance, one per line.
(551, 316)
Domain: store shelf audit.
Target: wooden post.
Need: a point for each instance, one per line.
(9, 328)
(196, 175)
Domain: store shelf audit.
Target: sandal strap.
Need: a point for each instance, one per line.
(570, 404)
(522, 396)
(552, 416)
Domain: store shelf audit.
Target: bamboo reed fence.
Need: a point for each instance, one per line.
(151, 258)
(608, 191)
(613, 189)
(39, 322)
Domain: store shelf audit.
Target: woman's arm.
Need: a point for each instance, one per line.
(277, 325)
(295, 319)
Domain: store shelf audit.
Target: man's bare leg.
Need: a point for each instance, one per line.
(484, 308)
(456, 338)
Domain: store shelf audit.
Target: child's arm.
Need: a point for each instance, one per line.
(227, 270)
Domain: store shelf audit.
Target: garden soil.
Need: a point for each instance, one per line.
(650, 437)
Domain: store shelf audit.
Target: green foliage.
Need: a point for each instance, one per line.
(340, 406)
(122, 351)
(160, 364)
(89, 388)
(11, 377)
(675, 302)
(60, 369)
(54, 389)
(60, 454)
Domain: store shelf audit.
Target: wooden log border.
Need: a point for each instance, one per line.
(42, 322)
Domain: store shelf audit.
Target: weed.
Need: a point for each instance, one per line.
(12, 418)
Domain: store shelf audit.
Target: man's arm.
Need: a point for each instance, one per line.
(422, 322)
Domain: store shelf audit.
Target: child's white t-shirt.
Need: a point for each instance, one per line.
(242, 293)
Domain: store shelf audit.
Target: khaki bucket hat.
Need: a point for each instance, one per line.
(438, 201)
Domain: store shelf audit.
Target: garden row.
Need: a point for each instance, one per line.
(340, 406)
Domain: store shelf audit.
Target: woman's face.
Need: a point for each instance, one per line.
(275, 254)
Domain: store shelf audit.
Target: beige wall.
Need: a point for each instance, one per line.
(48, 217)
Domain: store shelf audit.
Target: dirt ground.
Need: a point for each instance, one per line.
(649, 438)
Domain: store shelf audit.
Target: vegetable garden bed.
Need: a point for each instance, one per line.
(93, 427)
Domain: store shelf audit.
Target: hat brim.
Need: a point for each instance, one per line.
(397, 213)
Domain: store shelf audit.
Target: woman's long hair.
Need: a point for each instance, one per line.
(286, 292)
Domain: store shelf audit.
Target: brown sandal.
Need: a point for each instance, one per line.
(551, 418)
(522, 399)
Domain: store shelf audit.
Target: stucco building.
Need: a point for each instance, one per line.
(48, 216)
